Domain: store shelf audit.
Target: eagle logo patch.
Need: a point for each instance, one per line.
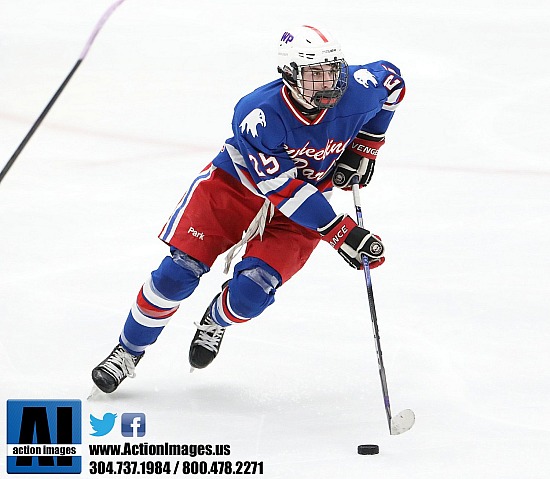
(251, 121)
(364, 76)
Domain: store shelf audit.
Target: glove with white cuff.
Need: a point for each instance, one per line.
(358, 159)
(351, 241)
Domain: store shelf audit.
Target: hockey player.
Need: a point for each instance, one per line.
(319, 125)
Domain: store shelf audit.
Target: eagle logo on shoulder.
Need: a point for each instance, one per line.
(364, 76)
(251, 121)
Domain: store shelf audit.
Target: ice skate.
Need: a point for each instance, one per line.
(116, 367)
(206, 342)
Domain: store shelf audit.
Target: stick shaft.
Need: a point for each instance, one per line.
(374, 319)
(42, 115)
(38, 121)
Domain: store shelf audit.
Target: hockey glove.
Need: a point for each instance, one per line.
(358, 159)
(352, 241)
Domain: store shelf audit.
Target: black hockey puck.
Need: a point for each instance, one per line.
(368, 449)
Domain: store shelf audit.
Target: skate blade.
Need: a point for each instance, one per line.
(192, 369)
(402, 422)
(95, 392)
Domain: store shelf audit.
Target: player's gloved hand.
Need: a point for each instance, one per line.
(358, 159)
(352, 241)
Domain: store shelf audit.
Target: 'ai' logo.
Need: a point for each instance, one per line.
(133, 424)
(44, 436)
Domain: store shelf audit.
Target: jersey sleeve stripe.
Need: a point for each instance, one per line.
(394, 100)
(268, 187)
(279, 183)
(283, 194)
(299, 197)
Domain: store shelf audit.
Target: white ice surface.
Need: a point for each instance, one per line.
(460, 197)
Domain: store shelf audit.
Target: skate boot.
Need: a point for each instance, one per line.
(207, 340)
(116, 367)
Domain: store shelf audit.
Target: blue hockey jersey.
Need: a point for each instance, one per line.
(282, 155)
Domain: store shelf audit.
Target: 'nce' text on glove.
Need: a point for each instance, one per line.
(351, 241)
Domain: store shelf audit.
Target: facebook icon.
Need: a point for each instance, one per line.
(133, 424)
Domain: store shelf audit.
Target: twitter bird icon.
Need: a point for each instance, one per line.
(102, 426)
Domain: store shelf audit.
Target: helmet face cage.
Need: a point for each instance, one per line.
(313, 67)
(322, 84)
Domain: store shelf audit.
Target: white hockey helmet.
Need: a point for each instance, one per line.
(306, 48)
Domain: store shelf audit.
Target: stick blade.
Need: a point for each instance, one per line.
(402, 422)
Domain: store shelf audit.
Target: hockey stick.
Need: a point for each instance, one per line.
(39, 120)
(403, 421)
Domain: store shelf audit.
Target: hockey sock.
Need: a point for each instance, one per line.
(159, 298)
(248, 293)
